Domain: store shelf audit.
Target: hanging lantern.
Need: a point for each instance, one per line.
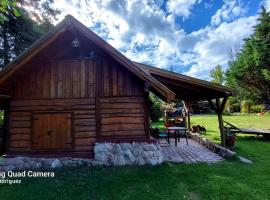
(76, 42)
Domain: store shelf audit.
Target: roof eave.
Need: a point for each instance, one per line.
(157, 71)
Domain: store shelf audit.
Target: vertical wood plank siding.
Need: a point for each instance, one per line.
(62, 79)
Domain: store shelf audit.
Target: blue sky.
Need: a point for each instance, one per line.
(186, 36)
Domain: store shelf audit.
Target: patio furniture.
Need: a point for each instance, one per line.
(264, 132)
(160, 136)
(177, 132)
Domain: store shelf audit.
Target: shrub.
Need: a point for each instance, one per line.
(256, 109)
(235, 107)
(243, 110)
(155, 110)
(246, 106)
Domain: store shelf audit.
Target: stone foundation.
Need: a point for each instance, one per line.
(137, 153)
(108, 154)
(26, 163)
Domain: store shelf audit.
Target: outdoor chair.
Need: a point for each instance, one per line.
(162, 137)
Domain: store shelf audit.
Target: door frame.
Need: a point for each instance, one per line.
(71, 131)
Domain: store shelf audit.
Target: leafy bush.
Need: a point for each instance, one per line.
(246, 106)
(256, 109)
(243, 110)
(235, 107)
(155, 108)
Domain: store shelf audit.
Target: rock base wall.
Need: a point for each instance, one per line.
(107, 154)
(137, 153)
(26, 163)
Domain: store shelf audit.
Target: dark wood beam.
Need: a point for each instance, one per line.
(98, 79)
(223, 104)
(188, 105)
(220, 121)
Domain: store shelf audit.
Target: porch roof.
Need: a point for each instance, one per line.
(186, 87)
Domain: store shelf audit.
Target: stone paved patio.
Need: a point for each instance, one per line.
(191, 153)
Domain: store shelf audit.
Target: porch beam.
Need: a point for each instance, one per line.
(188, 105)
(224, 101)
(219, 108)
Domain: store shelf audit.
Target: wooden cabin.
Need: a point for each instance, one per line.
(71, 89)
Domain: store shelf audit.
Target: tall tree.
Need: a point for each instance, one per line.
(18, 32)
(217, 75)
(7, 7)
(249, 74)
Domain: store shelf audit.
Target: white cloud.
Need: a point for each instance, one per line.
(214, 46)
(230, 10)
(145, 33)
(266, 4)
(181, 7)
(130, 26)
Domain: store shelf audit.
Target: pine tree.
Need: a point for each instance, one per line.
(249, 74)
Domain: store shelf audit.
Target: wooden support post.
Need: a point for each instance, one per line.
(146, 116)
(146, 110)
(219, 107)
(98, 94)
(220, 123)
(222, 106)
(187, 105)
(188, 117)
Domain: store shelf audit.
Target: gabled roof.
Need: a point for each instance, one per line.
(71, 22)
(187, 87)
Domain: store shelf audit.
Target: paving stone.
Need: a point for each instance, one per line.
(191, 153)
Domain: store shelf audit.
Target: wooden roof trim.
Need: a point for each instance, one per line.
(184, 78)
(62, 27)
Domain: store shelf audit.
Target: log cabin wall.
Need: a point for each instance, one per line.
(122, 104)
(92, 99)
(59, 87)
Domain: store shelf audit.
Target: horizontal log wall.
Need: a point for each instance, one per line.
(71, 86)
(20, 128)
(83, 120)
(122, 117)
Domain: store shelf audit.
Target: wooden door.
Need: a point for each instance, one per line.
(52, 131)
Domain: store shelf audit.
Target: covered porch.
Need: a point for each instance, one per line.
(191, 90)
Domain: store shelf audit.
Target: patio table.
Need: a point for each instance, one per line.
(177, 130)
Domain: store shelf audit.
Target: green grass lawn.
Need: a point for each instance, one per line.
(211, 123)
(228, 179)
